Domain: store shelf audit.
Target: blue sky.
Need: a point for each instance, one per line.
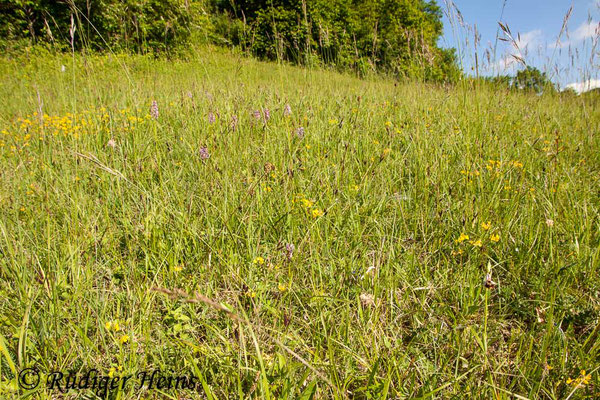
(535, 26)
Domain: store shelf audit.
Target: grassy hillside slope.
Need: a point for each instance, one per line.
(361, 238)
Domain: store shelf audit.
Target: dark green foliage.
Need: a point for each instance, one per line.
(397, 37)
(141, 26)
(528, 79)
(392, 36)
(532, 79)
(30, 19)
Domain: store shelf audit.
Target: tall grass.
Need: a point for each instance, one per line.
(445, 240)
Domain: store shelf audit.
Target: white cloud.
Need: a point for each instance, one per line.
(521, 46)
(584, 86)
(502, 65)
(527, 40)
(584, 31)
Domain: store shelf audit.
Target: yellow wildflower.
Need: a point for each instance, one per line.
(462, 238)
(486, 225)
(476, 243)
(495, 238)
(316, 213)
(586, 379)
(259, 260)
(307, 203)
(582, 380)
(112, 370)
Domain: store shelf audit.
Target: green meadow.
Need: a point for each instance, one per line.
(289, 233)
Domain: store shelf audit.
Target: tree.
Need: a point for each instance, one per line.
(149, 25)
(396, 37)
(532, 79)
(393, 36)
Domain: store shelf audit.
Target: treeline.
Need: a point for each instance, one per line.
(397, 37)
(529, 79)
(136, 25)
(532, 80)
